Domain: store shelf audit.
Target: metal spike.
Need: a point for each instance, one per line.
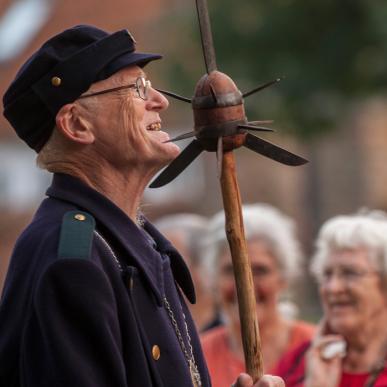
(256, 128)
(178, 165)
(174, 95)
(261, 122)
(272, 151)
(264, 86)
(206, 35)
(181, 137)
(219, 156)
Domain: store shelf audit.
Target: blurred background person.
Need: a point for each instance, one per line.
(187, 232)
(350, 348)
(276, 260)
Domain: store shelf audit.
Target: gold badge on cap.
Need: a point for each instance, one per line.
(56, 81)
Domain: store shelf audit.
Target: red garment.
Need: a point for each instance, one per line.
(292, 369)
(224, 366)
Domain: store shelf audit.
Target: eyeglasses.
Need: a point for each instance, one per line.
(141, 86)
(258, 271)
(346, 274)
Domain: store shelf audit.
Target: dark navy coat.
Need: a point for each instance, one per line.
(94, 322)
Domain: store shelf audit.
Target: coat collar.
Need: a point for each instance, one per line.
(126, 233)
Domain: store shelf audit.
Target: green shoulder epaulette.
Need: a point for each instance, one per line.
(76, 235)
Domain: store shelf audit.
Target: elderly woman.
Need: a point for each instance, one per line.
(350, 348)
(275, 260)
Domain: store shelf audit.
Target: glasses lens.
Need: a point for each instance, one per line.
(141, 87)
(148, 85)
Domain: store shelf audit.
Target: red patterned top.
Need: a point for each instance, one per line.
(224, 366)
(292, 369)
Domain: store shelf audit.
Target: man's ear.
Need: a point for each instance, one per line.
(73, 126)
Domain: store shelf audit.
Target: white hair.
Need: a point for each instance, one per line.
(263, 222)
(365, 229)
(193, 227)
(53, 149)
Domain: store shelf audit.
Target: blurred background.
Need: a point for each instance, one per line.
(331, 106)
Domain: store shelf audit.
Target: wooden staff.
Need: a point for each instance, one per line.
(220, 126)
(234, 225)
(242, 268)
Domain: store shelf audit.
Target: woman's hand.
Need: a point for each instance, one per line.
(324, 359)
(245, 380)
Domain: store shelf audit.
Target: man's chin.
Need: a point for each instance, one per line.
(172, 154)
(174, 150)
(170, 157)
(163, 162)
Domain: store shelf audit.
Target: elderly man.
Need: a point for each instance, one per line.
(93, 295)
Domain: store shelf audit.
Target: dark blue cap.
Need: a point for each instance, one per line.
(59, 72)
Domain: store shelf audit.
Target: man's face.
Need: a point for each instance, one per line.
(128, 128)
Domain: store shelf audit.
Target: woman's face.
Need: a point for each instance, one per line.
(351, 291)
(268, 282)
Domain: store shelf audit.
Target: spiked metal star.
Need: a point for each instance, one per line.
(220, 123)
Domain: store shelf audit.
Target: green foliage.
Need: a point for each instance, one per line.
(330, 52)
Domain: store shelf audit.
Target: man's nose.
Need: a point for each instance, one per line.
(156, 100)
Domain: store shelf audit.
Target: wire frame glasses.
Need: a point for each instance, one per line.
(346, 274)
(141, 86)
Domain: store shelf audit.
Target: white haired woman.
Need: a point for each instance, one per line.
(275, 260)
(350, 348)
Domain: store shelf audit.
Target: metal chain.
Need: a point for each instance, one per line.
(189, 356)
(193, 368)
(109, 249)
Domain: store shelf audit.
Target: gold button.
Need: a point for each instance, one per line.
(56, 81)
(156, 352)
(80, 217)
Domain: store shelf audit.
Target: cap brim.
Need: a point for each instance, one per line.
(128, 59)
